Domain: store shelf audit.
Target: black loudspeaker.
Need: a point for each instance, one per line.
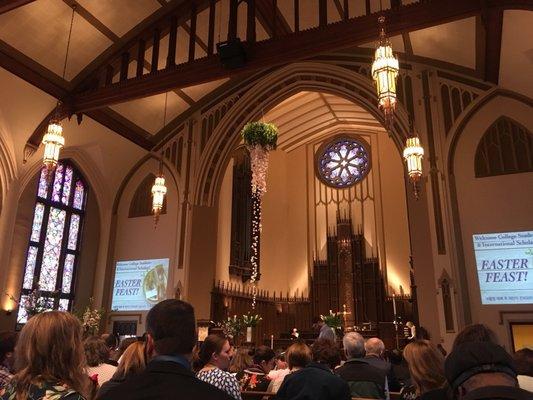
(232, 54)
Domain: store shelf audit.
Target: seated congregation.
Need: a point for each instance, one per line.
(50, 359)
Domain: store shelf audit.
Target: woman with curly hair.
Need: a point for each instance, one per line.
(50, 360)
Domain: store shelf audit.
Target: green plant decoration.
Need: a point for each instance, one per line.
(260, 134)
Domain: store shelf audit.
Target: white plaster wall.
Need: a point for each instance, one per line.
(492, 204)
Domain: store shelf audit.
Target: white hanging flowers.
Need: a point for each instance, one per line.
(259, 138)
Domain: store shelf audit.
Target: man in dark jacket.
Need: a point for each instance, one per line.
(483, 371)
(316, 381)
(171, 336)
(363, 379)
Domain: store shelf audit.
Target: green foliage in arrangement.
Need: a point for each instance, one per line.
(251, 320)
(333, 320)
(260, 133)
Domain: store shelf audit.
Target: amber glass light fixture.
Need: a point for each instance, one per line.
(53, 142)
(159, 190)
(385, 72)
(413, 154)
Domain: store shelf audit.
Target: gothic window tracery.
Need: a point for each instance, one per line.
(55, 238)
(343, 162)
(505, 148)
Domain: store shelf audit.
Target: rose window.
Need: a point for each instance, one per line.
(343, 162)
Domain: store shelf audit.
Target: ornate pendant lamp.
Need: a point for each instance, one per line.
(54, 140)
(159, 189)
(413, 154)
(384, 72)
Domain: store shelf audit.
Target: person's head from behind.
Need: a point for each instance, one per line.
(171, 329)
(96, 351)
(217, 351)
(374, 347)
(426, 365)
(133, 361)
(241, 360)
(8, 341)
(318, 323)
(281, 360)
(473, 365)
(265, 357)
(50, 347)
(354, 345)
(326, 352)
(475, 333)
(523, 360)
(298, 356)
(111, 341)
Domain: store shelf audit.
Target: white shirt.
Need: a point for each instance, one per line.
(104, 371)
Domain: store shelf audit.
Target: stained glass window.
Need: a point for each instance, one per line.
(54, 248)
(343, 162)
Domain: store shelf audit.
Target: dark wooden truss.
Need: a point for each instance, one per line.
(109, 79)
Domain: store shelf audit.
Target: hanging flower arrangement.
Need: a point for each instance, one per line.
(259, 138)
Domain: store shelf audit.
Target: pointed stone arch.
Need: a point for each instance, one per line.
(270, 91)
(505, 148)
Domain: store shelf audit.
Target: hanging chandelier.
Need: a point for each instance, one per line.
(384, 72)
(413, 154)
(159, 189)
(54, 140)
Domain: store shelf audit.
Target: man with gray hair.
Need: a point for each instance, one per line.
(363, 379)
(375, 349)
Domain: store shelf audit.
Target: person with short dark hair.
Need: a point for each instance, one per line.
(111, 341)
(364, 380)
(97, 353)
(214, 357)
(475, 333)
(316, 381)
(483, 371)
(524, 368)
(8, 341)
(255, 377)
(171, 336)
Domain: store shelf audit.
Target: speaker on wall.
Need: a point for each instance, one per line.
(232, 53)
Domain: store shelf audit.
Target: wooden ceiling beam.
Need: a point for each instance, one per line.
(32, 72)
(9, 5)
(264, 14)
(292, 48)
(493, 23)
(124, 127)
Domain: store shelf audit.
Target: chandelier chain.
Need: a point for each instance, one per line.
(68, 41)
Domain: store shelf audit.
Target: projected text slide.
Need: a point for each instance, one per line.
(139, 284)
(505, 267)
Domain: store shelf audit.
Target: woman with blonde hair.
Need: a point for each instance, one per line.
(50, 360)
(132, 362)
(426, 366)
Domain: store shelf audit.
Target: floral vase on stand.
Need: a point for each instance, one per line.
(248, 334)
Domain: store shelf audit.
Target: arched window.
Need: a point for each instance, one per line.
(506, 148)
(55, 238)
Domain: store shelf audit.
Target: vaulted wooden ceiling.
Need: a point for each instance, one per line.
(125, 55)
